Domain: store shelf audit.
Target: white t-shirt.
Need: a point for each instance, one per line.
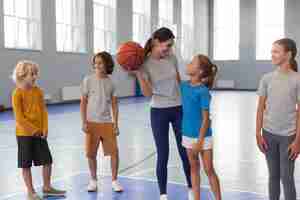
(99, 93)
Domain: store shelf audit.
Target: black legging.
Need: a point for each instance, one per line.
(160, 120)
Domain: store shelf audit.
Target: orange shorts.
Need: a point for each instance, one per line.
(104, 133)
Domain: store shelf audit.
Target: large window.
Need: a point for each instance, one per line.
(70, 26)
(141, 20)
(226, 29)
(22, 24)
(187, 29)
(166, 13)
(105, 25)
(270, 26)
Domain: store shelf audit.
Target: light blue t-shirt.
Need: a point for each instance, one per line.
(195, 99)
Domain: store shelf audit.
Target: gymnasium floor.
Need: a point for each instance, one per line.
(241, 167)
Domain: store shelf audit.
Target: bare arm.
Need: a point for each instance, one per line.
(178, 76)
(298, 124)
(261, 143)
(115, 110)
(83, 109)
(205, 124)
(294, 148)
(260, 114)
(145, 84)
(176, 68)
(197, 147)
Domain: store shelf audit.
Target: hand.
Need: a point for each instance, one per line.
(116, 130)
(294, 150)
(135, 73)
(261, 143)
(38, 134)
(85, 127)
(44, 135)
(197, 147)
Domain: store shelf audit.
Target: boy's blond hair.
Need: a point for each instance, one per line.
(22, 69)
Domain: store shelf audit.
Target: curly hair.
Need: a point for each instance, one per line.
(107, 59)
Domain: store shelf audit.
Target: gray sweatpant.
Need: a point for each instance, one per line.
(280, 166)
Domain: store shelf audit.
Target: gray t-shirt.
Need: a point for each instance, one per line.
(99, 93)
(283, 93)
(162, 75)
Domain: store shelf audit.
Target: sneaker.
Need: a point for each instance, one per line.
(92, 186)
(163, 197)
(191, 194)
(54, 192)
(117, 187)
(33, 196)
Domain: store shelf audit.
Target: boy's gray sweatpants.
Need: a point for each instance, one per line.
(280, 166)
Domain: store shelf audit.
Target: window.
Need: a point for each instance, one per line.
(270, 26)
(226, 29)
(22, 24)
(187, 29)
(70, 26)
(166, 13)
(105, 25)
(141, 20)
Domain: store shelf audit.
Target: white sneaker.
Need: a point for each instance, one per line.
(191, 195)
(33, 197)
(163, 197)
(116, 186)
(92, 186)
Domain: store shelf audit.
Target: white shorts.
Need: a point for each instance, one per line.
(188, 142)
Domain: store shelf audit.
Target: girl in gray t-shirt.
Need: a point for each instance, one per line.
(277, 124)
(159, 78)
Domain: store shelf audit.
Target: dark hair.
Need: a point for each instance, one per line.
(209, 70)
(290, 46)
(162, 35)
(107, 60)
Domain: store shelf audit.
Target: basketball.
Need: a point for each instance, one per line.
(130, 56)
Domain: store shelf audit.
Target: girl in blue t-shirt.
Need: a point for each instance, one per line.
(196, 129)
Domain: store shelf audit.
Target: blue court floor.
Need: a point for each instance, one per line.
(136, 189)
(241, 168)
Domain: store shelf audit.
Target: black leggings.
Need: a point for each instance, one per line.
(160, 120)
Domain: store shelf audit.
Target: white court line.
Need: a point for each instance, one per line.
(134, 178)
(203, 186)
(40, 186)
(54, 181)
(139, 173)
(144, 171)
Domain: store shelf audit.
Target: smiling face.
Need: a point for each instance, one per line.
(279, 55)
(193, 68)
(99, 66)
(163, 49)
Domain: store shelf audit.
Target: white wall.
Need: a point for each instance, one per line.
(247, 71)
(68, 69)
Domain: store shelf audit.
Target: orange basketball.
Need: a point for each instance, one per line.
(130, 56)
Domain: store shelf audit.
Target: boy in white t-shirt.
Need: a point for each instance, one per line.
(99, 113)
